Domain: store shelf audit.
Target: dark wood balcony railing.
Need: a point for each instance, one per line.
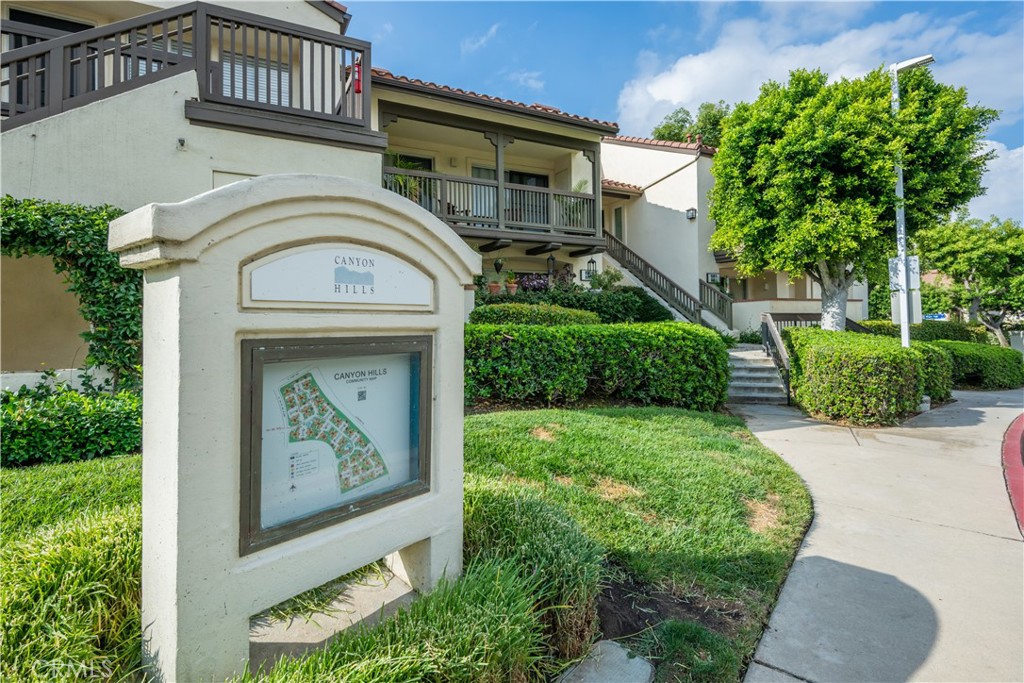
(241, 59)
(474, 202)
(676, 296)
(716, 301)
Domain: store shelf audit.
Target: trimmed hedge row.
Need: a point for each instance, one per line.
(665, 363)
(620, 305)
(932, 330)
(66, 426)
(865, 379)
(984, 366)
(936, 370)
(531, 314)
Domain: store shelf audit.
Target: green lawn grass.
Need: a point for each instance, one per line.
(42, 495)
(687, 502)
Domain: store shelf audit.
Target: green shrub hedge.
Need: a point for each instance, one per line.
(863, 379)
(936, 370)
(932, 330)
(666, 363)
(531, 314)
(508, 522)
(65, 426)
(984, 366)
(620, 305)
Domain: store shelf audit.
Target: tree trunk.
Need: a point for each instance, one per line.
(996, 328)
(834, 294)
(833, 309)
(972, 312)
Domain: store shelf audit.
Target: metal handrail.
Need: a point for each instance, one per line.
(678, 298)
(716, 301)
(775, 348)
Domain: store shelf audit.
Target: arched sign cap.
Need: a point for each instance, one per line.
(157, 234)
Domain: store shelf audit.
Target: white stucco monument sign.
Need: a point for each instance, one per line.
(302, 405)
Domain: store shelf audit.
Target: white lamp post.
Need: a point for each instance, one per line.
(901, 220)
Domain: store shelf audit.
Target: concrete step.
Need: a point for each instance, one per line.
(745, 363)
(770, 375)
(765, 400)
(743, 387)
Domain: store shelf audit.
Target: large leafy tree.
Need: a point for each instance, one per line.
(804, 179)
(985, 260)
(680, 123)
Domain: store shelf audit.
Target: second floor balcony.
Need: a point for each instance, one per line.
(484, 204)
(496, 171)
(253, 71)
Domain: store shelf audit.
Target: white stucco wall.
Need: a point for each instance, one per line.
(124, 151)
(656, 224)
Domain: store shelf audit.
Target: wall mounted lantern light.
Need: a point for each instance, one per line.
(551, 265)
(691, 214)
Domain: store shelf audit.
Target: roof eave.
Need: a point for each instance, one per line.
(593, 126)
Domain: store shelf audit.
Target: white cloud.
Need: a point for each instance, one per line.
(472, 44)
(1004, 180)
(528, 79)
(750, 51)
(385, 30)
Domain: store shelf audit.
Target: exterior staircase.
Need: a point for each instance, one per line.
(683, 304)
(755, 379)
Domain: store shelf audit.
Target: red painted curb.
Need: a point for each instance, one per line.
(1013, 468)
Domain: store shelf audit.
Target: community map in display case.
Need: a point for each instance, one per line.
(336, 429)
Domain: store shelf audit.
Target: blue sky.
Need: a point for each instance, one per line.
(633, 62)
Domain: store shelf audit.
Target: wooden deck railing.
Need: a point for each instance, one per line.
(675, 295)
(240, 58)
(474, 201)
(716, 301)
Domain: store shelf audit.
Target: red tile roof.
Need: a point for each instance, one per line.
(669, 144)
(613, 185)
(385, 77)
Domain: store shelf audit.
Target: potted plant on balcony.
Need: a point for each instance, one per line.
(510, 282)
(573, 208)
(494, 287)
(406, 185)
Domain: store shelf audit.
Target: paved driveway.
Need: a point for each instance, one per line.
(913, 568)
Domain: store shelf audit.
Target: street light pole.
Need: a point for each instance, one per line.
(901, 220)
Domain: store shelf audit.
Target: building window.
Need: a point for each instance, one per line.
(619, 223)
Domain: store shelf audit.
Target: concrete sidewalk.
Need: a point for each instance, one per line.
(913, 568)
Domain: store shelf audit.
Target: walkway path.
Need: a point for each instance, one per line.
(913, 568)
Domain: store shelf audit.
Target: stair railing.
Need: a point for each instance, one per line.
(716, 301)
(676, 296)
(775, 349)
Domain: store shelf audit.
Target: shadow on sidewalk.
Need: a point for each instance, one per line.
(967, 410)
(838, 622)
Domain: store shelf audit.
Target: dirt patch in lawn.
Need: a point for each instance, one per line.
(763, 515)
(614, 491)
(547, 432)
(627, 606)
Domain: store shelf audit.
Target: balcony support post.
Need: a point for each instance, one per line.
(500, 141)
(594, 156)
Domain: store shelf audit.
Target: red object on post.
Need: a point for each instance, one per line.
(357, 78)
